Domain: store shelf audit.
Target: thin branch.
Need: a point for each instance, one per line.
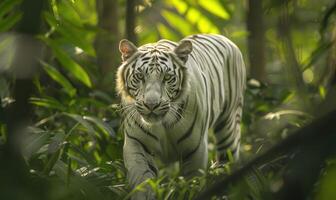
(320, 129)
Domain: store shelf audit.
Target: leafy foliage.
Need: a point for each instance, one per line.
(75, 143)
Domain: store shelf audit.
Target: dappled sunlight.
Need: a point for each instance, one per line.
(61, 126)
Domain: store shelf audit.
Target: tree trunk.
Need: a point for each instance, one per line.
(130, 21)
(332, 57)
(15, 182)
(256, 39)
(107, 39)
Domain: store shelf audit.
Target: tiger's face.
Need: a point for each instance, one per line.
(152, 79)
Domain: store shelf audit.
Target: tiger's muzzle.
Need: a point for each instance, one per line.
(152, 112)
(152, 107)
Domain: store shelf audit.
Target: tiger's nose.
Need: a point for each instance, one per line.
(151, 105)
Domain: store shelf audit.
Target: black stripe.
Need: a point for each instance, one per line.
(228, 47)
(148, 171)
(210, 56)
(145, 131)
(193, 151)
(227, 145)
(181, 108)
(153, 168)
(221, 125)
(211, 60)
(222, 55)
(163, 58)
(205, 61)
(229, 82)
(142, 145)
(206, 94)
(145, 58)
(163, 63)
(224, 139)
(189, 131)
(233, 151)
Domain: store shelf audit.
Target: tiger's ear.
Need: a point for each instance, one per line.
(183, 50)
(127, 49)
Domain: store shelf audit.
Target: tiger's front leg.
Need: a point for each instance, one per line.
(195, 160)
(140, 167)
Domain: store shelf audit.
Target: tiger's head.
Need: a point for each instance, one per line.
(152, 80)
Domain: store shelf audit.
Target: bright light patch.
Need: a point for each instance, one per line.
(179, 5)
(78, 50)
(308, 76)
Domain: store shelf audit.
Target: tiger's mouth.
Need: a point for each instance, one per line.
(154, 116)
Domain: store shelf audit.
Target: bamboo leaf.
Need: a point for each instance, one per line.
(9, 22)
(47, 103)
(51, 162)
(67, 62)
(59, 78)
(68, 31)
(103, 126)
(215, 8)
(34, 142)
(56, 142)
(83, 122)
(7, 5)
(178, 22)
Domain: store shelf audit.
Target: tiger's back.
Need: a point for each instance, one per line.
(217, 80)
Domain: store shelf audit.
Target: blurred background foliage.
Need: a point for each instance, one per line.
(59, 122)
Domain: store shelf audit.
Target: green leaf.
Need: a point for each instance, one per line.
(178, 22)
(61, 169)
(180, 5)
(68, 63)
(56, 142)
(34, 141)
(326, 186)
(206, 26)
(83, 122)
(90, 191)
(10, 21)
(101, 96)
(215, 8)
(203, 24)
(103, 126)
(59, 78)
(51, 162)
(7, 5)
(75, 151)
(322, 91)
(166, 33)
(71, 33)
(47, 103)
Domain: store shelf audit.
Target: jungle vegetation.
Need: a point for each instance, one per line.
(59, 121)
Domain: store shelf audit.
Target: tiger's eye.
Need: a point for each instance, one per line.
(167, 77)
(139, 75)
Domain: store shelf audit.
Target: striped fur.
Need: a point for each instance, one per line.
(190, 86)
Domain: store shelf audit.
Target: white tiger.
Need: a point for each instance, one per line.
(172, 93)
